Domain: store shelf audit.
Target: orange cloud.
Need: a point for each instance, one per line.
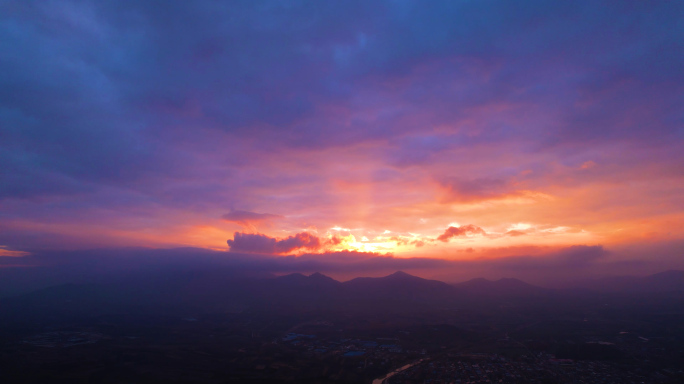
(460, 231)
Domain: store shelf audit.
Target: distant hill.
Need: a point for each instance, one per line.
(316, 280)
(397, 291)
(293, 291)
(214, 291)
(506, 287)
(398, 282)
(668, 281)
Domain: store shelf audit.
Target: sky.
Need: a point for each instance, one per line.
(443, 130)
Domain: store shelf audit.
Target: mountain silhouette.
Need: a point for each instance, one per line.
(668, 281)
(215, 292)
(503, 287)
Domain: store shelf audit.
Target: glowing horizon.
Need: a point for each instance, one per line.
(457, 131)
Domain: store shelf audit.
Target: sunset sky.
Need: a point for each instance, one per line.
(458, 130)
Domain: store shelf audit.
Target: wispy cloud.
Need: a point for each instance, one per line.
(249, 220)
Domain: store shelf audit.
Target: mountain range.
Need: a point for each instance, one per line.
(297, 293)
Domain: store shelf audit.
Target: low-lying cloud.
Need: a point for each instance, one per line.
(543, 266)
(258, 243)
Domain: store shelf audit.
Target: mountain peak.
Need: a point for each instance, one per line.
(478, 281)
(317, 276)
(669, 274)
(300, 280)
(401, 274)
(291, 276)
(511, 281)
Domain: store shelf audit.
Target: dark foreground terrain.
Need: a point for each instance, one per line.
(212, 328)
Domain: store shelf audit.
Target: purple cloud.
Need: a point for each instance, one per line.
(258, 243)
(476, 189)
(249, 219)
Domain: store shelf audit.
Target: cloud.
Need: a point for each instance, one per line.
(580, 255)
(515, 233)
(301, 240)
(4, 251)
(467, 190)
(249, 220)
(418, 243)
(338, 240)
(463, 230)
(588, 165)
(258, 243)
